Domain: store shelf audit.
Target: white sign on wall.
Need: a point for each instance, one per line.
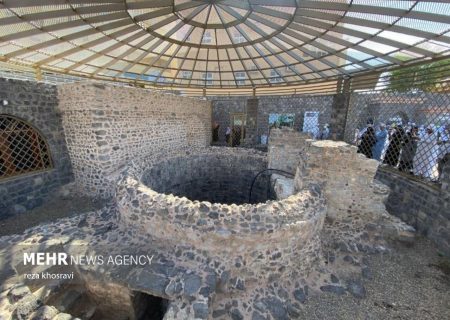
(311, 123)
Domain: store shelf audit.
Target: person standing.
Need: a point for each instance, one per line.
(368, 140)
(444, 148)
(369, 124)
(426, 156)
(325, 133)
(216, 127)
(395, 146)
(381, 137)
(228, 135)
(409, 150)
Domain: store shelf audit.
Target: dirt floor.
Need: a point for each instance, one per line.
(51, 210)
(408, 283)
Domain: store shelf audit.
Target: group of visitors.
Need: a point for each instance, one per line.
(418, 150)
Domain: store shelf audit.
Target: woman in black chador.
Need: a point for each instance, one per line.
(368, 140)
(409, 150)
(395, 146)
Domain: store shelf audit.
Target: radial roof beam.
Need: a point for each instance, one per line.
(268, 61)
(123, 55)
(39, 3)
(301, 14)
(179, 25)
(106, 50)
(237, 53)
(272, 34)
(318, 34)
(276, 44)
(65, 25)
(150, 4)
(302, 39)
(380, 10)
(85, 46)
(141, 57)
(279, 3)
(376, 38)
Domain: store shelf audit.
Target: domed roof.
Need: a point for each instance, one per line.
(222, 43)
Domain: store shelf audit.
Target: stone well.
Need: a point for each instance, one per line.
(217, 176)
(185, 199)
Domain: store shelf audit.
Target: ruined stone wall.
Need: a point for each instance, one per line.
(286, 146)
(424, 206)
(108, 126)
(341, 170)
(35, 103)
(354, 199)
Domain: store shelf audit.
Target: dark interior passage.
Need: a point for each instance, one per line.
(148, 307)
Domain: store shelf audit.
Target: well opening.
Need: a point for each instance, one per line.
(218, 178)
(148, 307)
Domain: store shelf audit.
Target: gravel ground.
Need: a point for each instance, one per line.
(51, 210)
(409, 283)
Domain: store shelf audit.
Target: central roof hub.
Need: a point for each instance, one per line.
(210, 23)
(213, 14)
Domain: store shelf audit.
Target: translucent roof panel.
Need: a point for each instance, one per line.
(222, 43)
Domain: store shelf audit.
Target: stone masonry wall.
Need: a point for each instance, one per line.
(35, 103)
(286, 147)
(355, 200)
(225, 178)
(108, 126)
(222, 110)
(247, 246)
(297, 105)
(424, 206)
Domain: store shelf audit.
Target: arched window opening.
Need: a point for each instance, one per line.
(22, 148)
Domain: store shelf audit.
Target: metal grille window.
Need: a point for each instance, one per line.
(22, 148)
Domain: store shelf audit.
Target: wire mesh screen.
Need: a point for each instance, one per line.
(405, 122)
(22, 149)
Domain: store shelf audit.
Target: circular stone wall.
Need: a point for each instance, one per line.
(217, 177)
(252, 241)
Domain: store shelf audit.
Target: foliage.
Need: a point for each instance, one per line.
(425, 77)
